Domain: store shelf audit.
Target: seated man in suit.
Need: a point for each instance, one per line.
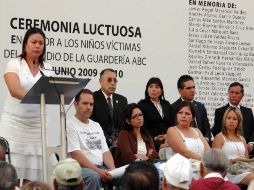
(109, 106)
(186, 89)
(235, 95)
(87, 144)
(213, 169)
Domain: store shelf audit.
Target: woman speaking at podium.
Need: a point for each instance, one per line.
(20, 123)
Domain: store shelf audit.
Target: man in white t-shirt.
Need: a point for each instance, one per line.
(87, 143)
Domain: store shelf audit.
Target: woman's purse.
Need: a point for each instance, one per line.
(165, 153)
(240, 167)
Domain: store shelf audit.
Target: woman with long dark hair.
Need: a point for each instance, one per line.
(20, 123)
(158, 113)
(133, 142)
(183, 138)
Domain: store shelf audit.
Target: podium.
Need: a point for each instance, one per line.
(53, 90)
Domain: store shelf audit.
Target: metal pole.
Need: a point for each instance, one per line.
(63, 129)
(43, 138)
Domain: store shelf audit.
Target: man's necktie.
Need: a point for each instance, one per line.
(195, 118)
(110, 106)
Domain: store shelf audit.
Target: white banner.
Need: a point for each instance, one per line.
(209, 40)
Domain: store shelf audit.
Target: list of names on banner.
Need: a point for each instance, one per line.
(218, 54)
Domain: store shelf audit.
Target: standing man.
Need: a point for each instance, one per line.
(87, 144)
(186, 89)
(109, 106)
(235, 95)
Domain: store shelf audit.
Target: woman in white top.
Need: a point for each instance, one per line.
(233, 144)
(20, 123)
(183, 138)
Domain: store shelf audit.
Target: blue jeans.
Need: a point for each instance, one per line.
(92, 180)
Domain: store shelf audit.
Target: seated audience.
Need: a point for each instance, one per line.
(234, 145)
(184, 138)
(8, 176)
(177, 173)
(158, 113)
(139, 176)
(133, 142)
(87, 144)
(35, 185)
(213, 169)
(68, 175)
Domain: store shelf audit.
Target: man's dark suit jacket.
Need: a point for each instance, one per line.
(101, 113)
(201, 117)
(154, 123)
(248, 125)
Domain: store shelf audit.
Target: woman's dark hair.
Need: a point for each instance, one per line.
(127, 116)
(154, 80)
(28, 33)
(138, 176)
(190, 106)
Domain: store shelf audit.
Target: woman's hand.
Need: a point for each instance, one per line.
(150, 153)
(141, 157)
(241, 159)
(160, 137)
(249, 147)
(235, 160)
(104, 175)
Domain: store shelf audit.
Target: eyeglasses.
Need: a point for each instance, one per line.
(136, 116)
(112, 80)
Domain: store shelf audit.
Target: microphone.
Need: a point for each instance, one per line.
(42, 74)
